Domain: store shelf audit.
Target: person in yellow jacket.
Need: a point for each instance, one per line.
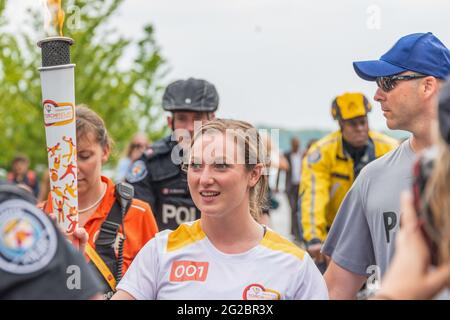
(332, 164)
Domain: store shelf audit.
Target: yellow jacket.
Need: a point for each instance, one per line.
(327, 175)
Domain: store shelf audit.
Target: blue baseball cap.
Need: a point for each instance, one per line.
(419, 52)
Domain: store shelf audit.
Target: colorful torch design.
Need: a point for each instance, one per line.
(58, 100)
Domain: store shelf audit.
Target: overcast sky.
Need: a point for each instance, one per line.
(277, 62)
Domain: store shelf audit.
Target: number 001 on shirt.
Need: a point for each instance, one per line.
(188, 271)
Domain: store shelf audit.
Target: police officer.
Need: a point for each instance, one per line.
(157, 176)
(36, 261)
(332, 164)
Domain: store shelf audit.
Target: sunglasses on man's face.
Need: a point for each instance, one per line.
(388, 83)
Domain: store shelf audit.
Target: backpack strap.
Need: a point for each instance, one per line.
(104, 245)
(101, 267)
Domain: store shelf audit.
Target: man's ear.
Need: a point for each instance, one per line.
(430, 86)
(169, 122)
(212, 116)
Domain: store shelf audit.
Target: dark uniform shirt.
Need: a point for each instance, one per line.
(36, 262)
(158, 179)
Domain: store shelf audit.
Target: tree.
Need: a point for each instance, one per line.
(125, 96)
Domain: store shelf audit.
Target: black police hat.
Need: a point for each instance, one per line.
(10, 191)
(444, 112)
(191, 95)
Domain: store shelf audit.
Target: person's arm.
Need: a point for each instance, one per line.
(79, 238)
(311, 285)
(314, 190)
(122, 295)
(341, 283)
(349, 244)
(410, 275)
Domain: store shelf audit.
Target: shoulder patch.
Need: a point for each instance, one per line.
(314, 157)
(28, 240)
(138, 172)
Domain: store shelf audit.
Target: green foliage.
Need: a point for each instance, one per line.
(126, 94)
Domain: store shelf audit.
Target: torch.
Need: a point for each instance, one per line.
(58, 100)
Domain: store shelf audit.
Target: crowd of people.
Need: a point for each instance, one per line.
(189, 215)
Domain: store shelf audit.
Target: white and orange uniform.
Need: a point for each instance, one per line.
(184, 264)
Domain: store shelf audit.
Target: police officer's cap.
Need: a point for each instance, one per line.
(9, 191)
(349, 106)
(191, 95)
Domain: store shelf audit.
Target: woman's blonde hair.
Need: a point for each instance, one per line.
(252, 148)
(88, 121)
(438, 197)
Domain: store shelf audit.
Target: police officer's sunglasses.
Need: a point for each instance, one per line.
(388, 83)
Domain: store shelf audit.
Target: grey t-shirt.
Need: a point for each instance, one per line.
(363, 232)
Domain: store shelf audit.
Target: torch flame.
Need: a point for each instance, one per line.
(54, 9)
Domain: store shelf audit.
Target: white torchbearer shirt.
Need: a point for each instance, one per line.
(184, 264)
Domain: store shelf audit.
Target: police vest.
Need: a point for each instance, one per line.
(172, 204)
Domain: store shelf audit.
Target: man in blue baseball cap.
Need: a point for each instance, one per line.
(418, 52)
(361, 241)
